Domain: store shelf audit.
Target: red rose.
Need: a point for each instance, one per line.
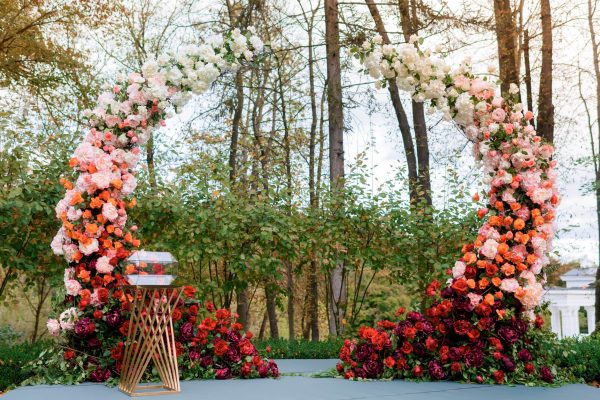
(249, 335)
(460, 286)
(221, 347)
(176, 315)
(539, 321)
(116, 353)
(455, 367)
(389, 362)
(417, 370)
(192, 319)
(431, 343)
(268, 349)
(237, 326)
(257, 361)
(193, 309)
(91, 328)
(98, 314)
(102, 295)
(491, 269)
(462, 327)
(68, 354)
(406, 348)
(473, 334)
(410, 332)
(223, 314)
(189, 291)
(499, 377)
(179, 349)
(246, 347)
(246, 369)
(124, 329)
(209, 323)
(497, 355)
(209, 306)
(339, 367)
(529, 368)
(349, 375)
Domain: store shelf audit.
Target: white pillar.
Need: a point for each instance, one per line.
(555, 321)
(570, 320)
(591, 318)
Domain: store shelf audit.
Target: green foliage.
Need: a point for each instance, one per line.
(582, 357)
(8, 336)
(14, 358)
(298, 349)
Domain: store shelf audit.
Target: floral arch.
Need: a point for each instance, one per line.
(481, 326)
(96, 235)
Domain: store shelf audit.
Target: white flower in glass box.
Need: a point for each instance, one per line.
(151, 268)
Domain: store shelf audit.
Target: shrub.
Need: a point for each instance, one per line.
(13, 359)
(297, 349)
(582, 357)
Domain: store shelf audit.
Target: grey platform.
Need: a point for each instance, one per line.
(304, 387)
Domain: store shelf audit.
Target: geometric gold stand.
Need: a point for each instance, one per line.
(151, 337)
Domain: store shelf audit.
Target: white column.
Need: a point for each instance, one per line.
(591, 318)
(570, 321)
(555, 321)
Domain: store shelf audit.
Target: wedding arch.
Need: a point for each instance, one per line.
(96, 235)
(481, 326)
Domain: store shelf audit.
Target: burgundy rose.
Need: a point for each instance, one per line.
(401, 328)
(486, 323)
(360, 373)
(462, 327)
(546, 374)
(507, 363)
(274, 369)
(82, 327)
(263, 370)
(363, 352)
(427, 327)
(69, 299)
(462, 304)
(100, 375)
(508, 335)
(525, 355)
(435, 370)
(113, 318)
(419, 349)
(194, 355)
(223, 373)
(206, 361)
(233, 354)
(234, 336)
(373, 368)
(474, 358)
(520, 326)
(414, 316)
(446, 292)
(455, 353)
(186, 331)
(94, 343)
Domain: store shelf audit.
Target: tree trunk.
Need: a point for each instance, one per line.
(243, 307)
(596, 60)
(150, 161)
(545, 116)
(506, 35)
(263, 326)
(272, 312)
(527, 72)
(407, 141)
(235, 129)
(336, 150)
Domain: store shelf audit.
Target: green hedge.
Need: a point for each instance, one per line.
(14, 358)
(582, 356)
(283, 348)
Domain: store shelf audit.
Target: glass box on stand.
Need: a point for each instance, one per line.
(151, 268)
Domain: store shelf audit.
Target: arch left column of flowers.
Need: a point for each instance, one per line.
(96, 235)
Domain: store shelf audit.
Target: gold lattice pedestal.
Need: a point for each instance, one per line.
(151, 338)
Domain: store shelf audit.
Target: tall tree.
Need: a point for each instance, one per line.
(507, 37)
(545, 116)
(592, 7)
(337, 284)
(407, 140)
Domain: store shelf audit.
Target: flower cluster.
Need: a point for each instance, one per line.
(95, 236)
(497, 283)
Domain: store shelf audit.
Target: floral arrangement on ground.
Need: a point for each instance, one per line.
(484, 325)
(96, 237)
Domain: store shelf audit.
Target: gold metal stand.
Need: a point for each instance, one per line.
(151, 337)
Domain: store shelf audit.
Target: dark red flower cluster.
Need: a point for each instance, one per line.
(452, 341)
(209, 342)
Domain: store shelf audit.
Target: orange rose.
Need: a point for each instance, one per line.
(519, 224)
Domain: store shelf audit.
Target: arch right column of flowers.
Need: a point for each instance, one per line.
(482, 326)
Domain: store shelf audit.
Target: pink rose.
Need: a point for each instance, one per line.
(104, 266)
(459, 269)
(489, 248)
(73, 287)
(509, 285)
